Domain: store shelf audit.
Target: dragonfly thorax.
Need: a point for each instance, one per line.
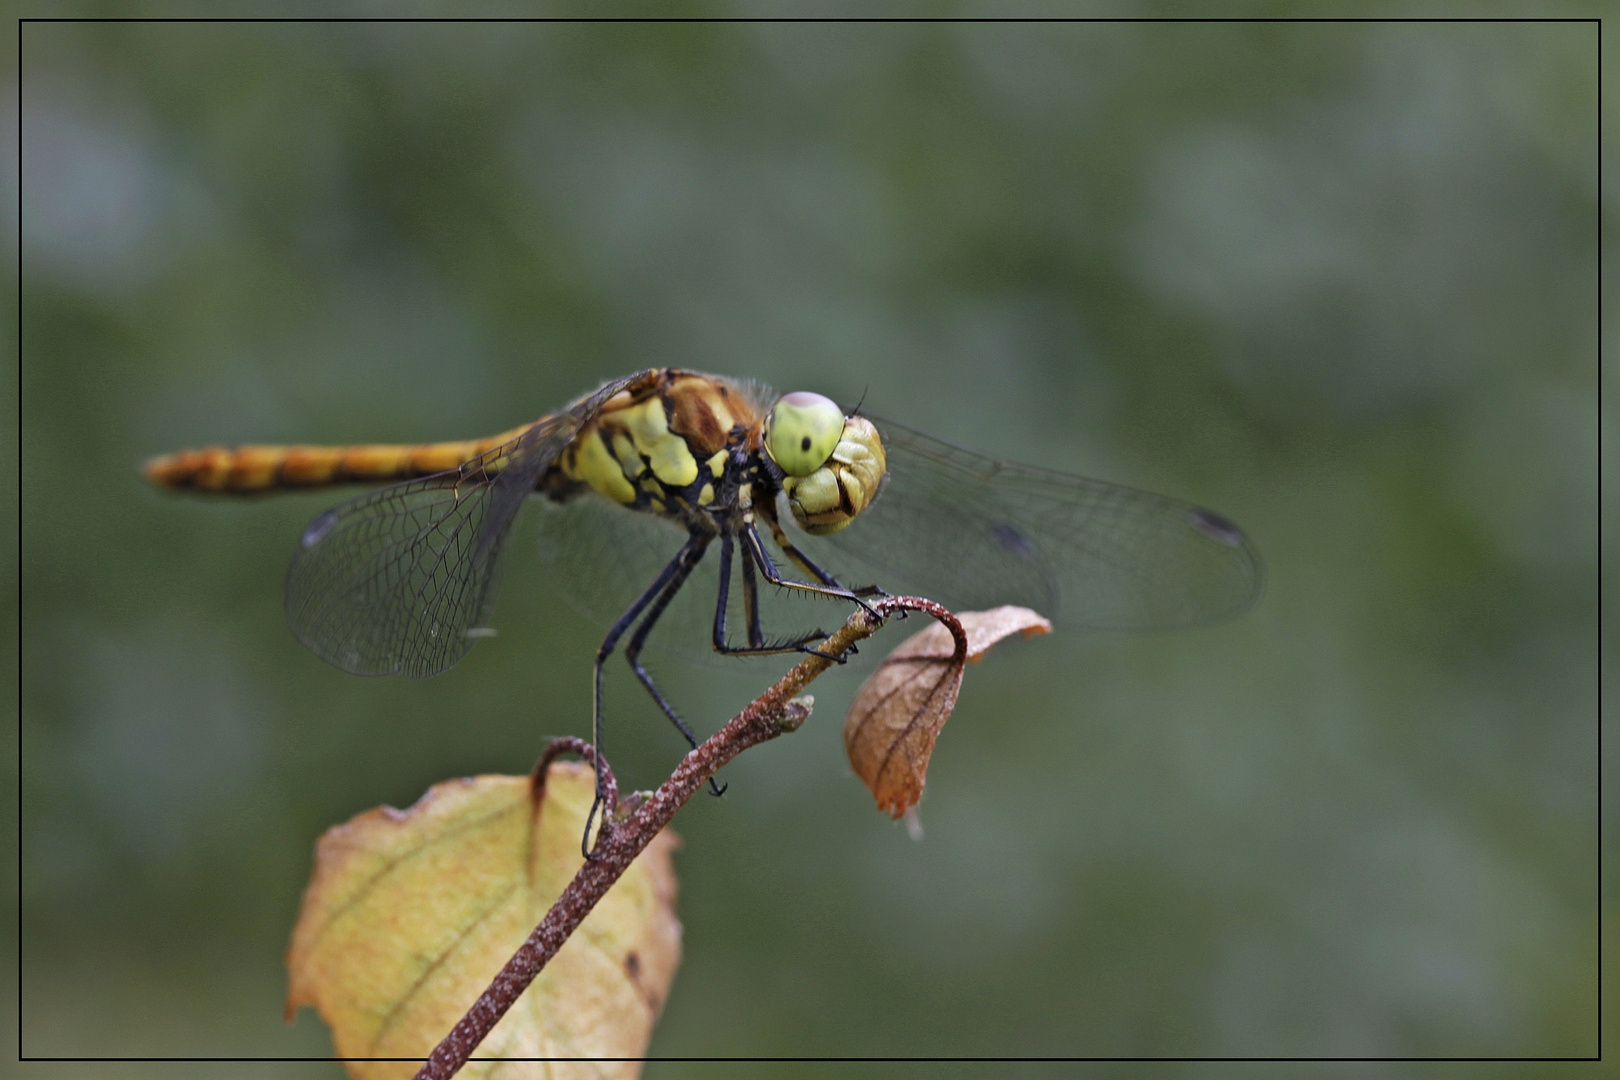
(665, 448)
(699, 451)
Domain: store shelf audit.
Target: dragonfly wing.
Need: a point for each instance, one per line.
(974, 532)
(600, 557)
(391, 582)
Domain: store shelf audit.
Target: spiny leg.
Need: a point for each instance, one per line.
(803, 562)
(721, 602)
(696, 542)
(756, 643)
(755, 548)
(756, 635)
(632, 651)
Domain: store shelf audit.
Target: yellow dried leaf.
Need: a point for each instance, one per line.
(898, 712)
(410, 913)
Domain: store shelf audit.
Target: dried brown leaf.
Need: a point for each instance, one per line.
(898, 712)
(411, 912)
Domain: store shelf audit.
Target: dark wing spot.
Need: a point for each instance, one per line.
(317, 529)
(1014, 541)
(804, 444)
(632, 964)
(1215, 527)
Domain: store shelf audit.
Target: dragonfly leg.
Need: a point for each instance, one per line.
(804, 562)
(754, 549)
(692, 550)
(687, 560)
(756, 637)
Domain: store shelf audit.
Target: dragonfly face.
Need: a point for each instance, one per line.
(833, 464)
(399, 580)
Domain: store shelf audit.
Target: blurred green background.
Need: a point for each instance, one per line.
(1337, 281)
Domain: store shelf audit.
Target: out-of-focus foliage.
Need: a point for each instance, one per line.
(1334, 280)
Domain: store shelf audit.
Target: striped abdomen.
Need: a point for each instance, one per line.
(249, 469)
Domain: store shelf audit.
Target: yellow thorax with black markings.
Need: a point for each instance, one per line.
(669, 442)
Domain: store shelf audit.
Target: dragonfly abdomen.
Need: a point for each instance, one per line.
(250, 469)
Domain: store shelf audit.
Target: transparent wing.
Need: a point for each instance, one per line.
(393, 581)
(973, 532)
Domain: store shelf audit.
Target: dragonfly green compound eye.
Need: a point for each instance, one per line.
(804, 432)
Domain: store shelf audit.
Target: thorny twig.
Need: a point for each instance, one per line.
(621, 839)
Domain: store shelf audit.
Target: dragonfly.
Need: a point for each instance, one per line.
(399, 580)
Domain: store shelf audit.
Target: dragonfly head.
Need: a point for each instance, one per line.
(833, 463)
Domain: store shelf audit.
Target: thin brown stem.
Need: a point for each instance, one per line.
(618, 842)
(567, 744)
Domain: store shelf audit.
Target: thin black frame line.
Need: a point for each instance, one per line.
(802, 20)
(1337, 20)
(204, 1061)
(19, 544)
(1598, 764)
